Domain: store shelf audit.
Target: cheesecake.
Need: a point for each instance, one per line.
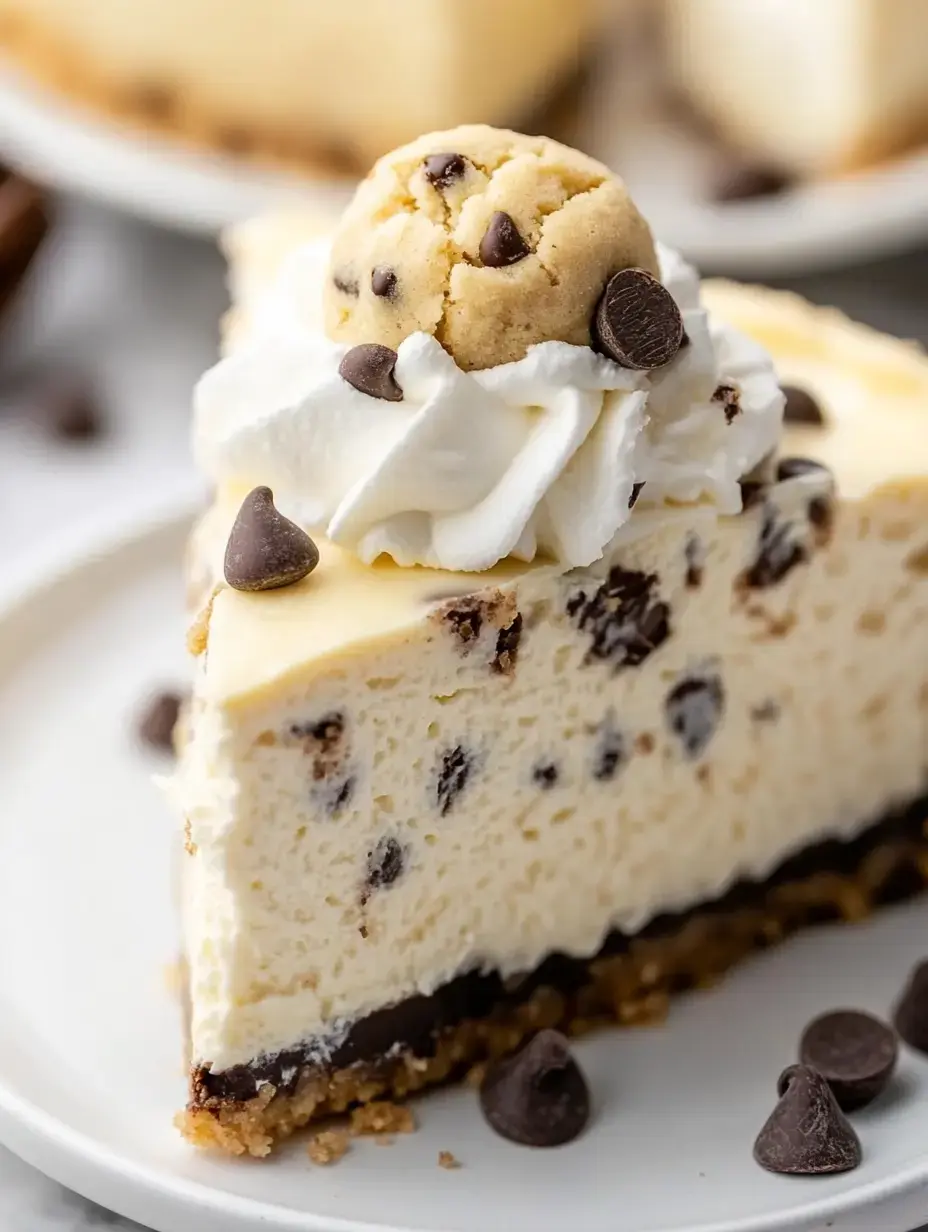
(323, 86)
(560, 629)
(810, 88)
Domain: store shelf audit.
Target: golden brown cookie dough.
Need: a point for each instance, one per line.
(487, 239)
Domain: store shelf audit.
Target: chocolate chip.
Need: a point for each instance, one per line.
(637, 322)
(807, 1134)
(792, 468)
(694, 709)
(636, 492)
(443, 169)
(801, 407)
(749, 181)
(385, 863)
(611, 752)
(69, 410)
(822, 517)
(729, 396)
(338, 796)
(326, 732)
(466, 620)
(752, 492)
(502, 243)
(159, 718)
(911, 1013)
(24, 224)
(383, 282)
(695, 561)
(507, 647)
(778, 552)
(539, 1097)
(266, 550)
(346, 283)
(625, 616)
(453, 774)
(369, 368)
(545, 775)
(854, 1052)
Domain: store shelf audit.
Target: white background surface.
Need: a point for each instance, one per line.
(138, 310)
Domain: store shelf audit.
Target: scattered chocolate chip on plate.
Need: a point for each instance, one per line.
(158, 720)
(854, 1052)
(539, 1096)
(807, 1134)
(911, 1013)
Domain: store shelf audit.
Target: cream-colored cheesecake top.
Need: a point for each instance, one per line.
(874, 394)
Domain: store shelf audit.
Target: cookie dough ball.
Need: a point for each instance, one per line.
(487, 239)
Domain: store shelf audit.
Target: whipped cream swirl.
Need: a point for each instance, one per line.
(540, 456)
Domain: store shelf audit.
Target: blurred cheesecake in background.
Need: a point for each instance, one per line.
(812, 86)
(331, 83)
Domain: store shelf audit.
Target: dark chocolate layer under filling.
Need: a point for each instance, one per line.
(413, 1025)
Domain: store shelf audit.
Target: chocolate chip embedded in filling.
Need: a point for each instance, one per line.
(625, 618)
(442, 170)
(610, 754)
(694, 709)
(507, 647)
(502, 243)
(385, 863)
(346, 283)
(369, 368)
(729, 397)
(695, 562)
(637, 489)
(778, 552)
(753, 492)
(793, 468)
(802, 408)
(637, 322)
(466, 619)
(324, 741)
(545, 775)
(384, 282)
(453, 773)
(767, 711)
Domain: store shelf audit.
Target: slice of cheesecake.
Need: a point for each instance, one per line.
(429, 812)
(299, 79)
(812, 87)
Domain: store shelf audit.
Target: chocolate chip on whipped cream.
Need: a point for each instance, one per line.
(369, 369)
(637, 321)
(502, 242)
(265, 550)
(729, 396)
(539, 1097)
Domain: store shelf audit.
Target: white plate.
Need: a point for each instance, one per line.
(90, 1035)
(150, 176)
(618, 116)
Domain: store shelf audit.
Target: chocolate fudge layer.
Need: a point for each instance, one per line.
(479, 1015)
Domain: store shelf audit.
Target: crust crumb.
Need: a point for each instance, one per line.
(382, 1117)
(448, 1161)
(328, 1146)
(198, 633)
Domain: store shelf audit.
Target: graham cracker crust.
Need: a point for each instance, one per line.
(630, 987)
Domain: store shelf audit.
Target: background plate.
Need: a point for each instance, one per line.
(90, 1055)
(616, 113)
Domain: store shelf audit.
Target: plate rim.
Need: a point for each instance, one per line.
(211, 190)
(49, 1143)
